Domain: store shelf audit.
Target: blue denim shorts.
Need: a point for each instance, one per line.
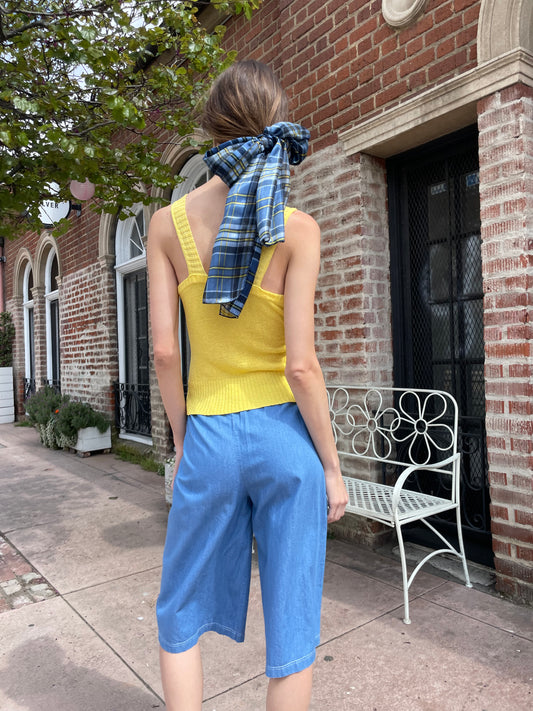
(248, 473)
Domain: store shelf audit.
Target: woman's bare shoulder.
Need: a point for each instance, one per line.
(161, 225)
(302, 226)
(162, 214)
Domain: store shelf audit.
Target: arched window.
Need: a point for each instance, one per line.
(194, 173)
(29, 332)
(51, 294)
(129, 238)
(133, 391)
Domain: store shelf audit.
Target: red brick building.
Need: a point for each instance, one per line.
(420, 174)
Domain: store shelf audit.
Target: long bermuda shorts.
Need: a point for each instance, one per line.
(252, 472)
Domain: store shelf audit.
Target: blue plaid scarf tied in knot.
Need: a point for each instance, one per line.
(256, 170)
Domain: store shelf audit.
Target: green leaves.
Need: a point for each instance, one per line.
(237, 8)
(88, 89)
(7, 338)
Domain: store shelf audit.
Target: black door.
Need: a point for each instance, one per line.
(438, 302)
(135, 395)
(55, 344)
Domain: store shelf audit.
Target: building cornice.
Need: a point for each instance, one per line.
(437, 111)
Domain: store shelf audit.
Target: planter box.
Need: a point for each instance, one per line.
(7, 400)
(90, 439)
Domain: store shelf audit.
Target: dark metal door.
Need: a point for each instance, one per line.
(134, 395)
(55, 343)
(438, 301)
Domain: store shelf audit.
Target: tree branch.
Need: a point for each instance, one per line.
(83, 132)
(41, 24)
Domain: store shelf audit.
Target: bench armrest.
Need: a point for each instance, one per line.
(398, 486)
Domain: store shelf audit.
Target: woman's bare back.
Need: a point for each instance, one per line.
(204, 207)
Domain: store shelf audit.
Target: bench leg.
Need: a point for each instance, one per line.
(405, 580)
(461, 547)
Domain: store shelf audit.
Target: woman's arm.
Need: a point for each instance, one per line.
(164, 315)
(303, 370)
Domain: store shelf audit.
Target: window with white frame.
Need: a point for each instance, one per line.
(133, 395)
(51, 295)
(29, 332)
(194, 173)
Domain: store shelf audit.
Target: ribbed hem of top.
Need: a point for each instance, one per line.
(220, 397)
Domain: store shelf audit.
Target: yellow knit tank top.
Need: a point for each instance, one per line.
(236, 363)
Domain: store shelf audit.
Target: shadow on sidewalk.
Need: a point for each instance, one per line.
(59, 684)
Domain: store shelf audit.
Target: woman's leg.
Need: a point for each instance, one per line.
(290, 693)
(182, 679)
(289, 523)
(207, 557)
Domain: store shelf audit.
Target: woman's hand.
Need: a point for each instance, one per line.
(337, 496)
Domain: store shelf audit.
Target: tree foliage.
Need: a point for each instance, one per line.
(7, 338)
(88, 88)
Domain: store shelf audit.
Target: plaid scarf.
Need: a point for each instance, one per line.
(256, 170)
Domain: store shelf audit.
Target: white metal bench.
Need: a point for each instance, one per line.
(408, 439)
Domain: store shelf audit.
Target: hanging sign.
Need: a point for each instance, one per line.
(50, 211)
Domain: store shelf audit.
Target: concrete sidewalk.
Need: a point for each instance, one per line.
(80, 554)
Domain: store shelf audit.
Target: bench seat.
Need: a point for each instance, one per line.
(375, 501)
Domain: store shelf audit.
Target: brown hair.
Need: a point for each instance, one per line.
(243, 100)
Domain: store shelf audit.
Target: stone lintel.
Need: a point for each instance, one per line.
(437, 111)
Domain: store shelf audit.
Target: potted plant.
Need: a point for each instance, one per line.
(82, 428)
(41, 409)
(67, 424)
(7, 338)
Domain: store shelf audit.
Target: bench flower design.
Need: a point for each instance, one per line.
(426, 427)
(419, 420)
(366, 423)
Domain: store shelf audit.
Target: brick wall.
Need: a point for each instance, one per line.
(340, 62)
(80, 250)
(506, 192)
(89, 334)
(348, 198)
